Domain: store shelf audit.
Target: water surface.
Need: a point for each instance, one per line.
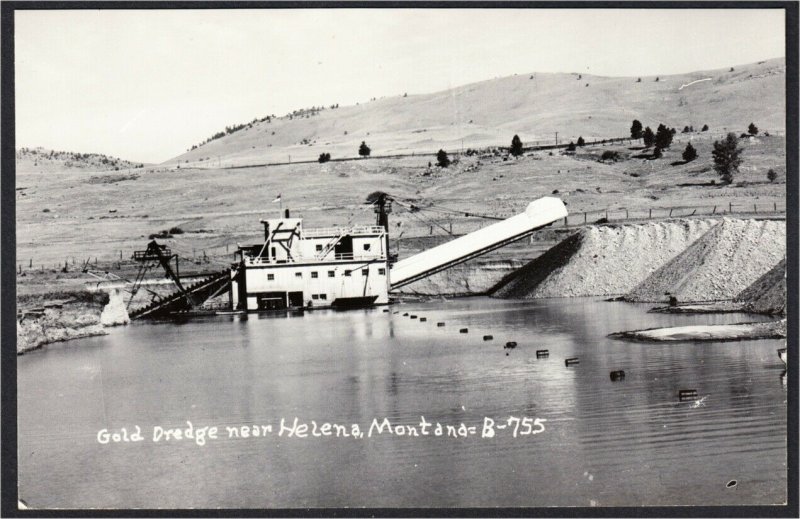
(623, 443)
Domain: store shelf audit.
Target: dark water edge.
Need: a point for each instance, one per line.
(605, 443)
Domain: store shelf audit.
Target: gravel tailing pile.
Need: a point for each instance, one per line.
(603, 260)
(718, 266)
(768, 294)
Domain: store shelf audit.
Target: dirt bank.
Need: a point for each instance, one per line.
(719, 332)
(767, 295)
(602, 260)
(730, 257)
(48, 318)
(471, 278)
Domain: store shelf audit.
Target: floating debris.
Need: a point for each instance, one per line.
(542, 353)
(488, 337)
(510, 345)
(413, 316)
(423, 319)
(683, 394)
(617, 375)
(463, 330)
(440, 324)
(732, 483)
(571, 361)
(405, 314)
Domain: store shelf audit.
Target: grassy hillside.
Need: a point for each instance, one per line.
(35, 160)
(489, 113)
(68, 213)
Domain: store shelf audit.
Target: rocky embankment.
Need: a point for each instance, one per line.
(602, 260)
(768, 294)
(690, 260)
(44, 320)
(725, 261)
(470, 278)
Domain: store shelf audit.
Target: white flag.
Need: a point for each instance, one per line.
(277, 199)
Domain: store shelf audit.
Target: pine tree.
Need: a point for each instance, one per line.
(581, 142)
(752, 129)
(649, 137)
(636, 129)
(656, 152)
(571, 146)
(771, 175)
(705, 127)
(689, 154)
(442, 160)
(727, 157)
(663, 137)
(364, 150)
(516, 146)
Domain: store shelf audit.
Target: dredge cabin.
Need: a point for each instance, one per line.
(311, 268)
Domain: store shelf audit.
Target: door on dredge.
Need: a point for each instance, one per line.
(295, 299)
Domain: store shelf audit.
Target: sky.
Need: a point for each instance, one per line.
(144, 85)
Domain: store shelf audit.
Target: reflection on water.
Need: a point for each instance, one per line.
(629, 442)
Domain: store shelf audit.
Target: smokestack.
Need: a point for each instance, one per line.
(286, 213)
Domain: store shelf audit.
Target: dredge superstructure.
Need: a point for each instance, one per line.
(340, 267)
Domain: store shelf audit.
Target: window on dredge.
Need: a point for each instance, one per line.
(331, 274)
(314, 275)
(382, 272)
(365, 272)
(319, 247)
(298, 274)
(270, 277)
(367, 246)
(348, 273)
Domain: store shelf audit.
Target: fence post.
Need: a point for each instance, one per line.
(755, 209)
(584, 217)
(775, 206)
(626, 214)
(606, 214)
(730, 207)
(651, 213)
(715, 210)
(670, 211)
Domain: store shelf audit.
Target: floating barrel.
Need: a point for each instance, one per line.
(423, 319)
(487, 337)
(687, 393)
(510, 345)
(440, 324)
(571, 361)
(463, 330)
(617, 375)
(542, 353)
(413, 316)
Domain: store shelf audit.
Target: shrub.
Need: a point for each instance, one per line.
(324, 157)
(516, 146)
(689, 154)
(685, 129)
(771, 175)
(175, 230)
(705, 127)
(657, 153)
(581, 142)
(571, 146)
(727, 157)
(610, 155)
(752, 129)
(364, 150)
